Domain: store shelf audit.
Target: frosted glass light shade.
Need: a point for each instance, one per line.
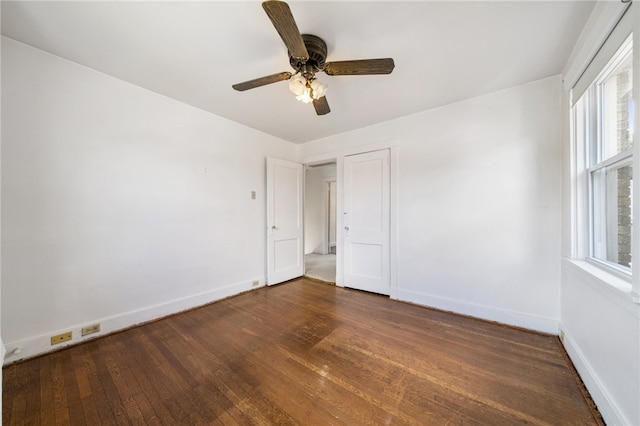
(306, 90)
(305, 96)
(318, 89)
(297, 84)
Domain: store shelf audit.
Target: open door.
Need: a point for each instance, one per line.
(366, 237)
(285, 251)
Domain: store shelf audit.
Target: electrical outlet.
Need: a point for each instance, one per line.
(59, 338)
(90, 329)
(255, 283)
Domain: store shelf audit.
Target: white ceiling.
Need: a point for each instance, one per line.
(194, 51)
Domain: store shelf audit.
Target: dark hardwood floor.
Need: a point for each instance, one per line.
(303, 353)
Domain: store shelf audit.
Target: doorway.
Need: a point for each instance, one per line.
(363, 257)
(320, 221)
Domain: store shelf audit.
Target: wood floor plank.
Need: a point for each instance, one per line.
(303, 353)
(45, 383)
(9, 376)
(464, 371)
(32, 415)
(236, 387)
(73, 399)
(168, 406)
(98, 392)
(82, 369)
(184, 367)
(128, 384)
(229, 366)
(60, 402)
(151, 360)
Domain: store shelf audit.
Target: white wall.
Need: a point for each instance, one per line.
(601, 324)
(119, 205)
(602, 337)
(315, 215)
(478, 192)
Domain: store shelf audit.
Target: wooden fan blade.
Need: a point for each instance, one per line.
(360, 67)
(281, 18)
(262, 81)
(321, 105)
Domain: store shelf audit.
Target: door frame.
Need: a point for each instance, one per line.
(327, 212)
(326, 187)
(324, 247)
(338, 156)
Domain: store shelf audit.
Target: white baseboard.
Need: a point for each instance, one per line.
(41, 344)
(518, 319)
(605, 403)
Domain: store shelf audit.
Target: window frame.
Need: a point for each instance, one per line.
(588, 133)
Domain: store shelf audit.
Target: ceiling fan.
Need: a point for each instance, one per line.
(307, 56)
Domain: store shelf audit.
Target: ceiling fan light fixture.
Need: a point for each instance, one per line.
(307, 56)
(306, 90)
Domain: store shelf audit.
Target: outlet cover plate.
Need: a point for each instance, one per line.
(59, 338)
(90, 329)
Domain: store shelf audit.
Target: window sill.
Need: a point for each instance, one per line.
(607, 282)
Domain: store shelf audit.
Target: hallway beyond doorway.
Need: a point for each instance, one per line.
(320, 267)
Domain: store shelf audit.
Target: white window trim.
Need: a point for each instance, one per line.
(624, 285)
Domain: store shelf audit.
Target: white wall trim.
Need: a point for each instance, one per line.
(605, 403)
(504, 316)
(41, 344)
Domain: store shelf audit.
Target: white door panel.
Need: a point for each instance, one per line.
(366, 222)
(284, 221)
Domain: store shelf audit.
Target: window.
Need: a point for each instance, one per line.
(604, 116)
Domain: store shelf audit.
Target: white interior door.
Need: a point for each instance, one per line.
(285, 254)
(366, 222)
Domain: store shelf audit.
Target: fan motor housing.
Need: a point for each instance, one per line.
(317, 49)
